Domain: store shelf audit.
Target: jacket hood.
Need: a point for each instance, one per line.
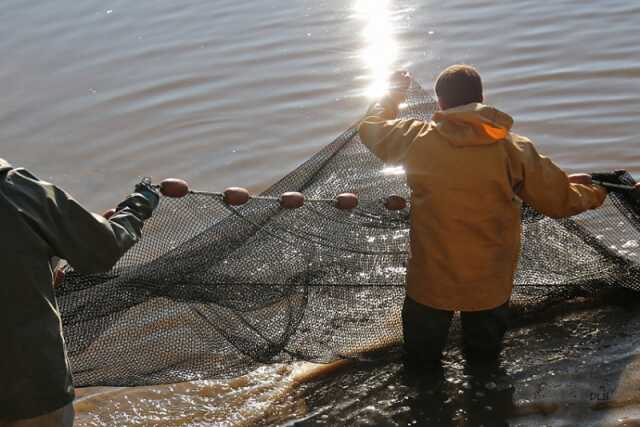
(4, 165)
(472, 124)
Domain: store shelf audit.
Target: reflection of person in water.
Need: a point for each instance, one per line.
(428, 398)
(489, 399)
(484, 399)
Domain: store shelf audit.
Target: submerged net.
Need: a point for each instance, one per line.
(213, 290)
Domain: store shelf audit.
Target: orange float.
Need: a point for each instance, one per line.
(291, 200)
(236, 196)
(109, 213)
(58, 277)
(174, 187)
(395, 202)
(346, 201)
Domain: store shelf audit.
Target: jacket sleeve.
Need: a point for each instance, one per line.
(387, 137)
(89, 242)
(539, 182)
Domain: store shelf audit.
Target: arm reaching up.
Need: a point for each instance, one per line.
(387, 137)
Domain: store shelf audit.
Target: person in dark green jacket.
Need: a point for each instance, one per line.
(39, 222)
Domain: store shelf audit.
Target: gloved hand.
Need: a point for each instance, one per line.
(399, 83)
(609, 177)
(621, 183)
(143, 201)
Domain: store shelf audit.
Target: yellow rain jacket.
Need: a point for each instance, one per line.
(468, 176)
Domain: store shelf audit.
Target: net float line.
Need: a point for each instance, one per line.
(238, 196)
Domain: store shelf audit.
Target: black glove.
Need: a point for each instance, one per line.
(143, 201)
(623, 188)
(614, 177)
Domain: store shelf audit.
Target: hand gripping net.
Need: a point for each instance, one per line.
(215, 291)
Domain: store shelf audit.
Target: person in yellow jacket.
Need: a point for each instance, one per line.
(38, 222)
(468, 175)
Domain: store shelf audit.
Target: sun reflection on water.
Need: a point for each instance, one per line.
(380, 49)
(393, 170)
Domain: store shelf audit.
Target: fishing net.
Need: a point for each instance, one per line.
(213, 290)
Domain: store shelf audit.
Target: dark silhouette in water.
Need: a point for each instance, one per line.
(486, 396)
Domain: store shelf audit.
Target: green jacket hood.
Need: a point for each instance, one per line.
(472, 124)
(4, 165)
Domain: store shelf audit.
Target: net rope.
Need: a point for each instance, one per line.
(213, 290)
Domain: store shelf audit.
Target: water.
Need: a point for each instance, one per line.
(95, 94)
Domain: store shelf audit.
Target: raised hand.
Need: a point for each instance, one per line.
(399, 83)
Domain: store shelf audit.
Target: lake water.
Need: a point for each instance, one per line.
(95, 94)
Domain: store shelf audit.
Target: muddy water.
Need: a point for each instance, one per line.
(97, 93)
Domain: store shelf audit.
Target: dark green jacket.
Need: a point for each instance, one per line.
(39, 221)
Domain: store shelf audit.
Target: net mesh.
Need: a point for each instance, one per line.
(213, 290)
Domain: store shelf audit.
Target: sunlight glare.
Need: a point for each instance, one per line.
(380, 50)
(393, 170)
